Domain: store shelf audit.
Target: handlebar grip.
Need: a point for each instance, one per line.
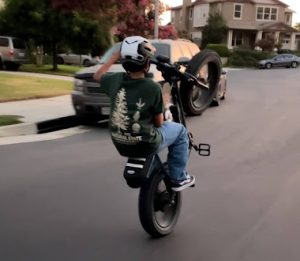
(170, 70)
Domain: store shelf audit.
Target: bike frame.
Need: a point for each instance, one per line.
(177, 108)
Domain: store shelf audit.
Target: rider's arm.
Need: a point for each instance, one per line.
(158, 120)
(105, 67)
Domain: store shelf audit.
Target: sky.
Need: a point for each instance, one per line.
(293, 4)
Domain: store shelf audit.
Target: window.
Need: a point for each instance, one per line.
(109, 53)
(266, 13)
(18, 44)
(237, 11)
(3, 42)
(191, 13)
(237, 38)
(172, 16)
(273, 14)
(288, 19)
(259, 15)
(180, 16)
(162, 49)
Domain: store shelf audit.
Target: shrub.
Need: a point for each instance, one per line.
(221, 49)
(280, 51)
(266, 44)
(247, 58)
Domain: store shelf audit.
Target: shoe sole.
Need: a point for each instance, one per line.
(192, 184)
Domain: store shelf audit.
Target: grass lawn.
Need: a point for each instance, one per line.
(65, 70)
(9, 120)
(16, 87)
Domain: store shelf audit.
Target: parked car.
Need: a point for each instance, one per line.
(89, 101)
(221, 92)
(13, 52)
(282, 60)
(74, 59)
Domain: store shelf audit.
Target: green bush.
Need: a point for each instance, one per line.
(221, 49)
(247, 58)
(280, 51)
(296, 53)
(48, 59)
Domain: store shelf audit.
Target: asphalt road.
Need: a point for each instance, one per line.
(66, 199)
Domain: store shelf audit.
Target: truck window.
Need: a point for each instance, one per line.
(3, 42)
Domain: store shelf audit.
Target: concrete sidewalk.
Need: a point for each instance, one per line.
(33, 112)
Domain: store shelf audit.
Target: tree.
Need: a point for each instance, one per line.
(138, 18)
(167, 32)
(215, 31)
(267, 44)
(126, 17)
(297, 26)
(101, 12)
(39, 22)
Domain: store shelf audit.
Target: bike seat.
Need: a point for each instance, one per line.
(137, 170)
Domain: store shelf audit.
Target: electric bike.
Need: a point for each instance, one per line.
(159, 206)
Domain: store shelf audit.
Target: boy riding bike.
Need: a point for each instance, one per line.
(137, 124)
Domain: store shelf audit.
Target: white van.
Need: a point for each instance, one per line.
(13, 52)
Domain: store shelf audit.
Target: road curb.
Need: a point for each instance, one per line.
(57, 124)
(39, 127)
(18, 129)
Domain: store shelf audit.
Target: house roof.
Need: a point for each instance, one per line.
(198, 2)
(176, 7)
(276, 26)
(288, 10)
(268, 2)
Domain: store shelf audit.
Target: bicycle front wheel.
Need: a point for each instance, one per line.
(159, 206)
(206, 66)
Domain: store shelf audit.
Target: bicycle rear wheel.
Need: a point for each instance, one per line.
(159, 206)
(206, 66)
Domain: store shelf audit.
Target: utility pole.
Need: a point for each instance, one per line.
(156, 19)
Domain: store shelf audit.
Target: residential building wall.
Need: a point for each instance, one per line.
(248, 20)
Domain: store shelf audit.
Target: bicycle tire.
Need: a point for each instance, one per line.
(157, 217)
(195, 100)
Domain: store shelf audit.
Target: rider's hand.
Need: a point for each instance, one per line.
(105, 67)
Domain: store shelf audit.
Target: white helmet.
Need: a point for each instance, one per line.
(136, 52)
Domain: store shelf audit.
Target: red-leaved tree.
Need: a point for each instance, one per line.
(127, 17)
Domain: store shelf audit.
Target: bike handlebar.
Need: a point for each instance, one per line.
(172, 72)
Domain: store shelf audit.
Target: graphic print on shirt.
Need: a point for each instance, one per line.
(122, 121)
(136, 127)
(119, 115)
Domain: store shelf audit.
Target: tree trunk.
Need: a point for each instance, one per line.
(54, 56)
(39, 55)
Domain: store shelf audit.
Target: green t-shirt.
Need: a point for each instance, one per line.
(134, 102)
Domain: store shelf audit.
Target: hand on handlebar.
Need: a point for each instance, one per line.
(195, 81)
(173, 70)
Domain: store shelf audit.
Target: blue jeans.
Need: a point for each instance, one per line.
(175, 138)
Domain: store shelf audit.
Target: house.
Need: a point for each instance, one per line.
(248, 21)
